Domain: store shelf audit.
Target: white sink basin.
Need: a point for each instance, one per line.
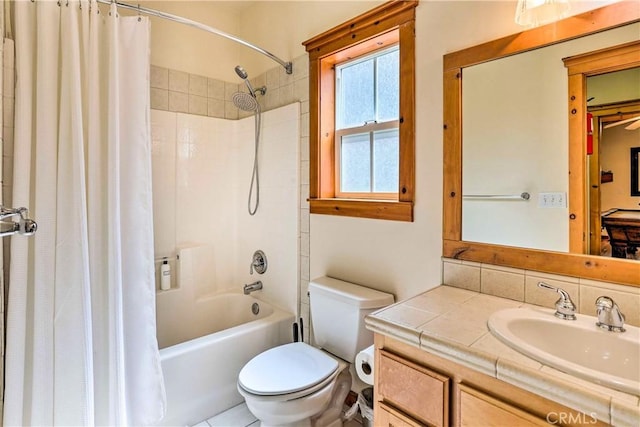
(576, 347)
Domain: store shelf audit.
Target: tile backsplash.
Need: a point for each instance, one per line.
(521, 285)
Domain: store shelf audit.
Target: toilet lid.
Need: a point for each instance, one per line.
(286, 369)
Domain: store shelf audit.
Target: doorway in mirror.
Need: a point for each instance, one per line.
(613, 103)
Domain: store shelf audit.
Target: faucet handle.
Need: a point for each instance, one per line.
(609, 315)
(565, 308)
(258, 262)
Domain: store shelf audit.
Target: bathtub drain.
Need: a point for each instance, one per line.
(255, 308)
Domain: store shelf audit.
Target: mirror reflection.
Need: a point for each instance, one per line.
(614, 202)
(515, 148)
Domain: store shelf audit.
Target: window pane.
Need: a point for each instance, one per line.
(388, 86)
(357, 95)
(355, 163)
(386, 154)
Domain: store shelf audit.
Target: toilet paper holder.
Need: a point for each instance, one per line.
(366, 367)
(365, 364)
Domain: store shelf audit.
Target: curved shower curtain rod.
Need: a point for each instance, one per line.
(287, 65)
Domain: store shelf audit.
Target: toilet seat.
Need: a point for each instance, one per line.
(288, 372)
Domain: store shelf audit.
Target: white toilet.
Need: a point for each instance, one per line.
(299, 385)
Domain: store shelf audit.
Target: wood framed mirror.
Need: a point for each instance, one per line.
(575, 262)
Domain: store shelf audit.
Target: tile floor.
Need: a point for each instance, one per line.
(239, 416)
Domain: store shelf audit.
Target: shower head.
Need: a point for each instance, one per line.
(248, 101)
(244, 76)
(241, 72)
(245, 101)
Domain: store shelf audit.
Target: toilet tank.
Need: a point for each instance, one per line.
(338, 309)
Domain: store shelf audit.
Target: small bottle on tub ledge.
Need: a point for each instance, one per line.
(165, 275)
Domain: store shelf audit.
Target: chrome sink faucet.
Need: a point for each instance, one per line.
(251, 287)
(565, 308)
(609, 315)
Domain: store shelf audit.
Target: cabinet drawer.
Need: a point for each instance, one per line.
(389, 417)
(414, 389)
(479, 409)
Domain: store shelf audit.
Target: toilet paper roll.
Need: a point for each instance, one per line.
(364, 365)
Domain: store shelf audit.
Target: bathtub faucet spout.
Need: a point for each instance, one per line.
(251, 287)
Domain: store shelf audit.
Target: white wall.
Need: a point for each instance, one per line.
(201, 174)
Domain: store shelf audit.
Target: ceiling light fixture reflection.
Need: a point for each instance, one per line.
(531, 13)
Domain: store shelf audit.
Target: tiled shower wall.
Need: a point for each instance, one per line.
(201, 177)
(178, 91)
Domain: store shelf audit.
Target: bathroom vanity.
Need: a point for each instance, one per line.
(419, 388)
(437, 363)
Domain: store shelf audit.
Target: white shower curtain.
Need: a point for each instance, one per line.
(81, 339)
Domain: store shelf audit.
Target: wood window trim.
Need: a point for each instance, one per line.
(391, 22)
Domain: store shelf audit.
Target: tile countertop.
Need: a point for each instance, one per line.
(452, 323)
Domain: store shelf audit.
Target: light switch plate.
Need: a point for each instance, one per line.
(552, 200)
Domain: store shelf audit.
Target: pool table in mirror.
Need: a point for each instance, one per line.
(623, 228)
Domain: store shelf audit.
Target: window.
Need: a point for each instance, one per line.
(361, 106)
(367, 139)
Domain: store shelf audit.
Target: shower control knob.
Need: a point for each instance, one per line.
(258, 263)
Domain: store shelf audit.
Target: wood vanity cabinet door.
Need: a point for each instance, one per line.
(389, 417)
(414, 389)
(478, 409)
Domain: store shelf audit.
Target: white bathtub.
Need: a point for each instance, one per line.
(200, 374)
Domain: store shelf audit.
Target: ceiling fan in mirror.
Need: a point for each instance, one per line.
(635, 123)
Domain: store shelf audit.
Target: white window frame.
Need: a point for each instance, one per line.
(370, 127)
